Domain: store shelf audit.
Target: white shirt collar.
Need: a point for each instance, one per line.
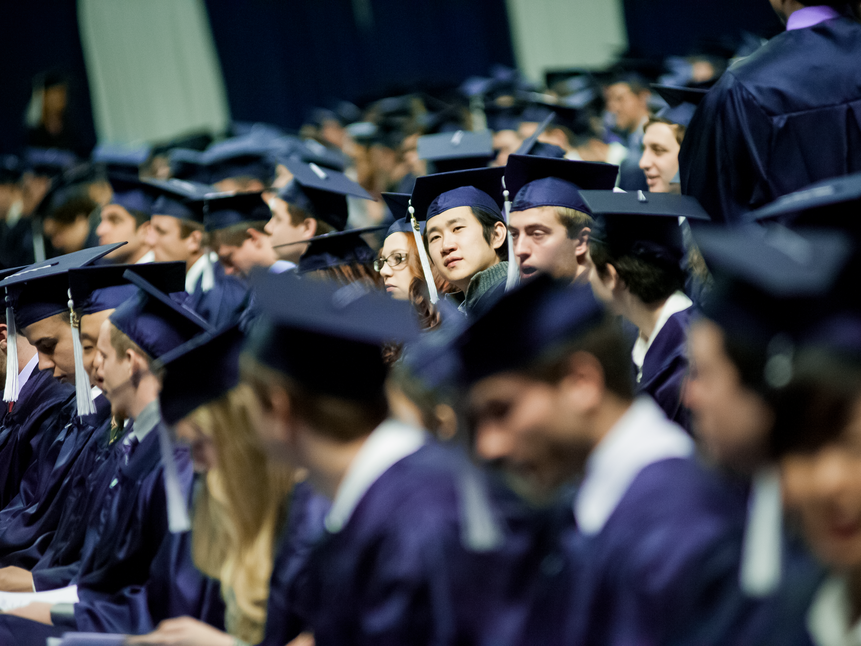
(641, 437)
(147, 258)
(828, 616)
(676, 303)
(201, 269)
(280, 266)
(25, 374)
(389, 443)
(147, 421)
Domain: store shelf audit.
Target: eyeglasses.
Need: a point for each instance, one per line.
(395, 260)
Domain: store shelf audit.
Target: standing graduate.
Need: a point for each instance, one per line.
(177, 234)
(637, 267)
(655, 556)
(782, 118)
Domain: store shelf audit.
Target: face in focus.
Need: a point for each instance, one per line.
(457, 246)
(732, 421)
(52, 338)
(523, 427)
(118, 225)
(629, 108)
(255, 251)
(826, 490)
(166, 242)
(541, 244)
(282, 231)
(114, 373)
(660, 160)
(396, 250)
(203, 453)
(91, 325)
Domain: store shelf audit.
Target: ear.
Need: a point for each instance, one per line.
(583, 386)
(3, 336)
(194, 242)
(582, 247)
(309, 228)
(499, 233)
(255, 236)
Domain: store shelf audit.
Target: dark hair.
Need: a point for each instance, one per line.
(818, 404)
(299, 215)
(608, 345)
(140, 217)
(72, 209)
(649, 281)
(488, 221)
(573, 220)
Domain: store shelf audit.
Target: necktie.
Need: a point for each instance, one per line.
(129, 448)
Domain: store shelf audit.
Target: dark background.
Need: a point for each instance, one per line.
(282, 58)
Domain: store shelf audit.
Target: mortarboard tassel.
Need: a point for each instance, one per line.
(83, 392)
(513, 269)
(177, 511)
(761, 561)
(423, 256)
(10, 394)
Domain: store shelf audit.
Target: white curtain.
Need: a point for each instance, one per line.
(153, 69)
(565, 33)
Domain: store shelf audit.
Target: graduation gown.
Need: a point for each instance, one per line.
(784, 117)
(28, 523)
(222, 305)
(32, 419)
(666, 366)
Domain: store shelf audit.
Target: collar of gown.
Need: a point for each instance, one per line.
(810, 16)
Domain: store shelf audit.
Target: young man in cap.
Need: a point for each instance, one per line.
(655, 557)
(549, 222)
(627, 98)
(763, 130)
(177, 234)
(313, 203)
(236, 224)
(126, 219)
(465, 232)
(637, 257)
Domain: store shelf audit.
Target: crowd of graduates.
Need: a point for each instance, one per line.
(568, 365)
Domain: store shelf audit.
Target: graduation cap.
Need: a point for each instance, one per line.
(11, 169)
(104, 287)
(502, 117)
(178, 198)
(645, 225)
(321, 192)
(188, 164)
(336, 249)
(541, 181)
(532, 323)
(40, 291)
(154, 321)
(326, 336)
(460, 150)
(240, 157)
(682, 102)
(399, 204)
(311, 151)
(123, 159)
(222, 210)
(48, 162)
(131, 193)
(198, 372)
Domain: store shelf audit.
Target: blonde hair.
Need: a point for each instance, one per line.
(239, 513)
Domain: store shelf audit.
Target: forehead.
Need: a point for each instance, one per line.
(619, 89)
(50, 328)
(459, 215)
(115, 211)
(506, 385)
(398, 241)
(540, 215)
(660, 133)
(166, 223)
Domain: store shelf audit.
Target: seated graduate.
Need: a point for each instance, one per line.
(94, 292)
(239, 505)
(126, 219)
(465, 233)
(548, 220)
(131, 522)
(637, 258)
(655, 557)
(235, 223)
(39, 306)
(313, 203)
(177, 234)
(377, 575)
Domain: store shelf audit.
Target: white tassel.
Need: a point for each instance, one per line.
(83, 392)
(177, 510)
(513, 267)
(762, 561)
(423, 256)
(10, 394)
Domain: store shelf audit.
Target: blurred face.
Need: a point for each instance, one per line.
(253, 252)
(541, 243)
(52, 338)
(55, 99)
(410, 154)
(457, 246)
(506, 142)
(70, 237)
(396, 271)
(118, 225)
(826, 489)
(524, 428)
(660, 160)
(282, 231)
(166, 242)
(731, 420)
(203, 453)
(629, 108)
(114, 373)
(91, 325)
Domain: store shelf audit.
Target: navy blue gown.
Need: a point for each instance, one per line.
(222, 305)
(785, 117)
